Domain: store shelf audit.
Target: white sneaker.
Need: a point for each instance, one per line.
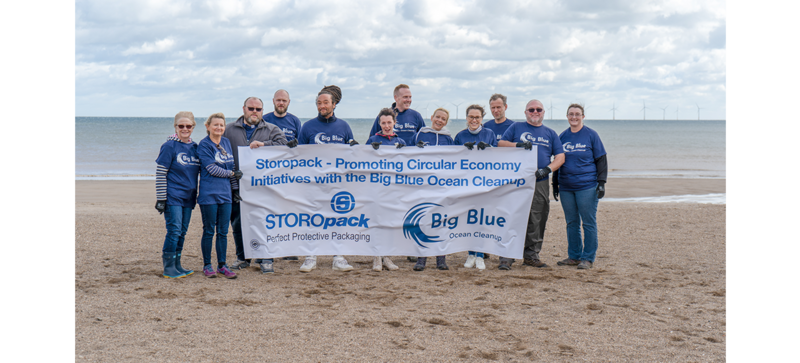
(340, 264)
(389, 264)
(376, 264)
(479, 263)
(309, 264)
(470, 261)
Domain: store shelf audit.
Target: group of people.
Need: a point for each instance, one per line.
(576, 159)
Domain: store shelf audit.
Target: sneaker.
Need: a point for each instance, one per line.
(340, 264)
(420, 266)
(209, 272)
(266, 267)
(470, 261)
(568, 262)
(240, 265)
(290, 258)
(309, 264)
(534, 263)
(376, 264)
(504, 265)
(411, 258)
(583, 265)
(225, 271)
(387, 262)
(479, 263)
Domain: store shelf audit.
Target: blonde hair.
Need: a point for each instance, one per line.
(219, 115)
(184, 114)
(446, 112)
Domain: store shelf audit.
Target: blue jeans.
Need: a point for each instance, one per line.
(581, 206)
(477, 254)
(215, 219)
(177, 219)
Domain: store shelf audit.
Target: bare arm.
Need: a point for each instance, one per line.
(557, 162)
(504, 143)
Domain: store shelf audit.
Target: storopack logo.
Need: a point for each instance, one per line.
(411, 228)
(341, 203)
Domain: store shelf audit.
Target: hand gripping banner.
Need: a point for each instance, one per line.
(355, 200)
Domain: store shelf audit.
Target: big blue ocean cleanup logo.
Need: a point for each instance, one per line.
(341, 203)
(420, 213)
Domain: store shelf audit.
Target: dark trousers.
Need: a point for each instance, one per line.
(540, 209)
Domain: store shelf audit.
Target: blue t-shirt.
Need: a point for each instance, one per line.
(581, 148)
(486, 135)
(498, 128)
(325, 131)
(408, 124)
(542, 136)
(289, 124)
(385, 140)
(184, 165)
(214, 190)
(433, 139)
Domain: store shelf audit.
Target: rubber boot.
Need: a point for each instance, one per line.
(441, 263)
(420, 263)
(179, 267)
(169, 266)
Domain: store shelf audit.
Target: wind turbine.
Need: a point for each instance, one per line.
(456, 118)
(644, 117)
(665, 113)
(614, 110)
(426, 110)
(551, 110)
(698, 111)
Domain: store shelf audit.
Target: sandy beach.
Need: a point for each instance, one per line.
(656, 293)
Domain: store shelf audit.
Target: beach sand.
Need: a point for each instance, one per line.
(656, 293)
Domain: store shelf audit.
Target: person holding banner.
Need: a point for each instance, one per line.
(326, 129)
(581, 181)
(434, 136)
(217, 180)
(409, 121)
(548, 145)
(176, 191)
(476, 134)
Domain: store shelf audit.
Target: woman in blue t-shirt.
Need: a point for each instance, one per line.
(476, 134)
(581, 183)
(217, 179)
(176, 191)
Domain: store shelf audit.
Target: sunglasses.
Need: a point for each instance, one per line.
(222, 150)
(255, 109)
(533, 110)
(185, 127)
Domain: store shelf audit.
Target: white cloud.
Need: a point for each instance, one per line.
(159, 46)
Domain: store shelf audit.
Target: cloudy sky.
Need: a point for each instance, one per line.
(154, 58)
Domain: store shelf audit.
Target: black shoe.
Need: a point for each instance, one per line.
(420, 264)
(504, 265)
(534, 263)
(290, 258)
(440, 263)
(411, 258)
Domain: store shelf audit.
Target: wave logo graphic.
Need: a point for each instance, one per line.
(526, 136)
(411, 228)
(343, 202)
(183, 159)
(318, 138)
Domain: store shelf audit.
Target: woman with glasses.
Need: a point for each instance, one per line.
(581, 183)
(217, 179)
(176, 191)
(476, 135)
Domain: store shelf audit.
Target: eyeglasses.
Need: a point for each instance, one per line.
(474, 117)
(255, 109)
(222, 150)
(534, 110)
(185, 127)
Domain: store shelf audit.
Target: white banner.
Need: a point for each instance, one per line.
(354, 200)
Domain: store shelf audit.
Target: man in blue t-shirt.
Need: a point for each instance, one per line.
(288, 123)
(408, 121)
(548, 145)
(498, 107)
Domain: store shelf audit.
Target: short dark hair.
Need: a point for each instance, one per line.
(576, 105)
(476, 107)
(387, 112)
(498, 96)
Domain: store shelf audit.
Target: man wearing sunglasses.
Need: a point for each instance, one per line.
(249, 130)
(550, 156)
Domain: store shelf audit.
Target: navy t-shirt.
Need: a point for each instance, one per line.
(385, 140)
(408, 124)
(184, 165)
(325, 131)
(214, 190)
(433, 139)
(542, 136)
(289, 124)
(581, 148)
(498, 128)
(486, 135)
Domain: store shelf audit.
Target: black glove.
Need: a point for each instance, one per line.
(543, 173)
(399, 145)
(292, 143)
(376, 145)
(237, 174)
(236, 197)
(601, 191)
(353, 142)
(161, 206)
(469, 145)
(527, 145)
(555, 192)
(420, 144)
(482, 145)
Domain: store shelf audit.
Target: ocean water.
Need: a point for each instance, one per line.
(126, 147)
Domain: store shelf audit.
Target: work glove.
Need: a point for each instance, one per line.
(527, 145)
(237, 174)
(482, 145)
(399, 145)
(469, 145)
(161, 206)
(376, 145)
(543, 173)
(236, 197)
(292, 143)
(601, 191)
(420, 144)
(353, 142)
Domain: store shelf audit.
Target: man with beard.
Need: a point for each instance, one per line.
(249, 130)
(408, 121)
(288, 123)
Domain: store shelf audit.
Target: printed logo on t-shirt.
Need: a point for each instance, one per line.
(185, 160)
(404, 126)
(323, 138)
(526, 136)
(222, 159)
(577, 147)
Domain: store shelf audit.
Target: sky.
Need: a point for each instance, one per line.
(155, 58)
